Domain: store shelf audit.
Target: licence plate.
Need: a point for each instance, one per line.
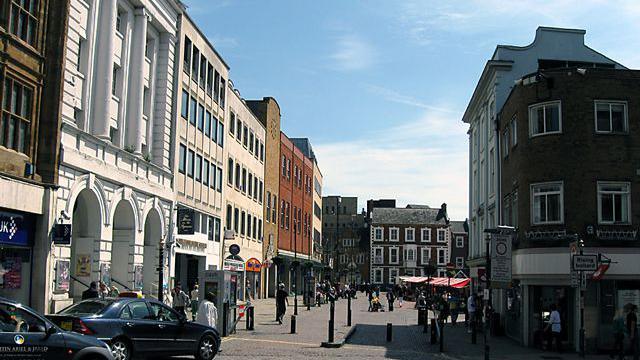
(66, 325)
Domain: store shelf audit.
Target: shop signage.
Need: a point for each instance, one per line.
(62, 275)
(628, 297)
(253, 265)
(234, 249)
(233, 265)
(83, 265)
(15, 229)
(500, 258)
(138, 277)
(185, 221)
(62, 234)
(105, 273)
(584, 263)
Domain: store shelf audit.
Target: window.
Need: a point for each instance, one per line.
(255, 188)
(245, 135)
(207, 123)
(184, 107)
(243, 224)
(426, 235)
(281, 213)
(261, 151)
(214, 176)
(238, 176)
(139, 310)
(209, 79)
(232, 124)
(377, 275)
(545, 118)
(219, 178)
(410, 234)
(442, 235)
(514, 131)
(393, 255)
(394, 234)
(249, 219)
(203, 71)
(17, 112)
(244, 180)
(506, 138)
(222, 87)
(23, 21)
(442, 273)
(193, 110)
(611, 116)
(284, 166)
(191, 155)
(377, 233)
(182, 158)
(260, 191)
(459, 242)
(459, 262)
(236, 220)
(268, 212)
(614, 203)
(230, 171)
(411, 254)
(442, 256)
(198, 167)
(216, 235)
(492, 172)
(238, 129)
(275, 209)
(220, 134)
(186, 62)
(250, 189)
(251, 142)
(216, 86)
(425, 255)
(256, 152)
(205, 172)
(259, 229)
(114, 81)
(393, 275)
(378, 257)
(547, 203)
(200, 117)
(162, 313)
(214, 127)
(195, 64)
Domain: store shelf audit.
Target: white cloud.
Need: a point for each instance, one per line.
(412, 162)
(352, 53)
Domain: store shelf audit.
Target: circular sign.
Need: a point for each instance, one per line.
(501, 248)
(234, 249)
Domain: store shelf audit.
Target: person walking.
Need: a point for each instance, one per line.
(195, 297)
(207, 313)
(401, 292)
(619, 330)
(555, 324)
(91, 292)
(282, 301)
(391, 297)
(471, 309)
(370, 295)
(180, 300)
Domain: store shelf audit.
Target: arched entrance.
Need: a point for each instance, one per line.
(123, 241)
(85, 232)
(152, 237)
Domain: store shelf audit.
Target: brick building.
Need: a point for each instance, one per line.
(404, 241)
(459, 246)
(570, 155)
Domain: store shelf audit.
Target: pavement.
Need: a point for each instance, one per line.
(271, 340)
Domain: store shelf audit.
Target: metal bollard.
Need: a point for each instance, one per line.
(433, 332)
(293, 323)
(331, 321)
(474, 335)
(253, 317)
(349, 311)
(426, 323)
(442, 337)
(389, 332)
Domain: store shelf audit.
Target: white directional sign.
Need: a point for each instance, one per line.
(585, 263)
(501, 257)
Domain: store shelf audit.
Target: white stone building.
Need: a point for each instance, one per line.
(116, 149)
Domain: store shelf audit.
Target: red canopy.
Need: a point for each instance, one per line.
(437, 281)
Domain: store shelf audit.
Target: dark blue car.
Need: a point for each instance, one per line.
(142, 327)
(25, 334)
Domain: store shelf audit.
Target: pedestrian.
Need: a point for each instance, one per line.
(370, 295)
(391, 298)
(632, 328)
(91, 292)
(471, 309)
(180, 300)
(402, 291)
(195, 297)
(555, 324)
(282, 301)
(619, 330)
(103, 291)
(248, 290)
(207, 311)
(114, 292)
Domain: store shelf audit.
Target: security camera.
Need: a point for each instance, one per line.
(64, 215)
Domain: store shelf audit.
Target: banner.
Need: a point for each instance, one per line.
(83, 265)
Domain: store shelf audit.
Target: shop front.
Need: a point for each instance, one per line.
(253, 269)
(16, 255)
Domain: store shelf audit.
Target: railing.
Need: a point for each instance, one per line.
(120, 283)
(78, 280)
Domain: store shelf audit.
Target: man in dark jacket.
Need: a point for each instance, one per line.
(91, 292)
(282, 301)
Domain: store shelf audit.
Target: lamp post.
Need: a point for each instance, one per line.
(295, 265)
(338, 203)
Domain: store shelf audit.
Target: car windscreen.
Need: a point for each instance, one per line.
(89, 307)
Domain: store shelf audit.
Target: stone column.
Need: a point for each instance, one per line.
(104, 67)
(135, 96)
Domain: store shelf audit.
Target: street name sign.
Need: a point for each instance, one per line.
(500, 258)
(584, 263)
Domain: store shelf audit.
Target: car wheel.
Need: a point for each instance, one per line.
(207, 348)
(120, 349)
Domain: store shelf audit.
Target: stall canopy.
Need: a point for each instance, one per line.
(437, 281)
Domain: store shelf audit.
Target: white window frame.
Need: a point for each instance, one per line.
(459, 262)
(413, 250)
(409, 272)
(601, 184)
(545, 104)
(423, 231)
(611, 102)
(514, 131)
(374, 275)
(374, 257)
(438, 256)
(532, 202)
(424, 260)
(396, 273)
(442, 273)
(459, 241)
(397, 252)
(442, 230)
(397, 231)
(408, 231)
(375, 233)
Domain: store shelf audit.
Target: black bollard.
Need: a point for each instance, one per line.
(253, 317)
(293, 323)
(442, 336)
(389, 332)
(433, 331)
(331, 320)
(474, 335)
(349, 311)
(426, 323)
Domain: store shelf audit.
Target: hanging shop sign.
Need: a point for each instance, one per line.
(62, 234)
(253, 265)
(15, 228)
(63, 275)
(185, 221)
(585, 262)
(233, 265)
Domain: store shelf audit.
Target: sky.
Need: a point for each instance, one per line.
(380, 86)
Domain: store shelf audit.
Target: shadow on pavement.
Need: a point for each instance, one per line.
(406, 342)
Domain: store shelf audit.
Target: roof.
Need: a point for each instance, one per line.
(405, 216)
(305, 146)
(416, 206)
(457, 227)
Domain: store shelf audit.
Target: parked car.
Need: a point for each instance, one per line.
(137, 326)
(24, 331)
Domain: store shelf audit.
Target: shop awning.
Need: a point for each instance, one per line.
(437, 281)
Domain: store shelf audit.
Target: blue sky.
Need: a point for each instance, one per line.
(380, 86)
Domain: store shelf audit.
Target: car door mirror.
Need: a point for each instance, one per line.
(182, 319)
(49, 331)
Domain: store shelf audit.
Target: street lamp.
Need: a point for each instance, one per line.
(295, 265)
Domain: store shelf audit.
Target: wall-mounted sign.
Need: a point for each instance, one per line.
(585, 262)
(105, 273)
(234, 249)
(185, 221)
(11, 272)
(15, 228)
(83, 265)
(138, 277)
(253, 265)
(62, 234)
(62, 275)
(500, 258)
(233, 265)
